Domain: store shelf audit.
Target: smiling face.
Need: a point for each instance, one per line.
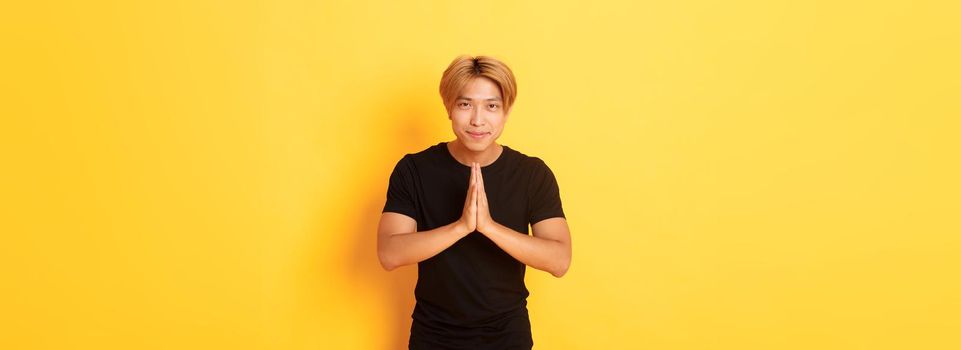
(478, 115)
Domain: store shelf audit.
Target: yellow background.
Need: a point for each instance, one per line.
(736, 175)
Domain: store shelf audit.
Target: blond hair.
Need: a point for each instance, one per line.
(464, 68)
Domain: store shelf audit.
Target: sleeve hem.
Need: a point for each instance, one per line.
(407, 212)
(545, 217)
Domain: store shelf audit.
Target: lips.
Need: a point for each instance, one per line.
(477, 134)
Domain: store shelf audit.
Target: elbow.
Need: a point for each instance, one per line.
(560, 271)
(386, 263)
(564, 263)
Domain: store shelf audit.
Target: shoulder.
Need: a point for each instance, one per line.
(532, 165)
(426, 153)
(524, 158)
(429, 153)
(411, 161)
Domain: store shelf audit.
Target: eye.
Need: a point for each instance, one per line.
(492, 106)
(463, 104)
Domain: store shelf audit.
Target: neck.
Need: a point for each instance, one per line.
(466, 156)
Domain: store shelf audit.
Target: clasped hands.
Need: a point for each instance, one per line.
(476, 215)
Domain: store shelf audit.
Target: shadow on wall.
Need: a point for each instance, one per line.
(404, 130)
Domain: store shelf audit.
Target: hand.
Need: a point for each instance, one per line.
(468, 218)
(484, 221)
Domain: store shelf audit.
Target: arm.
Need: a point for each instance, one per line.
(399, 244)
(549, 249)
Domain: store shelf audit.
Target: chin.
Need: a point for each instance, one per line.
(476, 146)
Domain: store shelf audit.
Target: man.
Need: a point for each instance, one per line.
(461, 209)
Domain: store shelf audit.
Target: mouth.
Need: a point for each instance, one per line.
(478, 135)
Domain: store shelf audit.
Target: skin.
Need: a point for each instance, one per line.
(479, 108)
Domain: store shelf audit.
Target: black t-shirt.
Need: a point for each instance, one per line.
(472, 294)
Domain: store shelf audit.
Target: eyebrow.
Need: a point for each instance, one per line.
(468, 98)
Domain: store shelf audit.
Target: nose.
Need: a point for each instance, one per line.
(475, 118)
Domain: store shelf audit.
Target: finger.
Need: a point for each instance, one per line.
(481, 196)
(480, 180)
(476, 196)
(473, 175)
(476, 184)
(480, 176)
(470, 195)
(473, 170)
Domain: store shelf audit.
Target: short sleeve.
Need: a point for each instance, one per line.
(400, 189)
(545, 198)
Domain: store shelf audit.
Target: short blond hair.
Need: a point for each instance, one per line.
(464, 68)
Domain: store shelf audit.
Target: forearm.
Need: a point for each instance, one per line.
(408, 248)
(540, 253)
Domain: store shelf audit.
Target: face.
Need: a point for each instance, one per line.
(478, 114)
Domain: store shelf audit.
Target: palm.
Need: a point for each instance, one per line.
(469, 216)
(484, 220)
(476, 214)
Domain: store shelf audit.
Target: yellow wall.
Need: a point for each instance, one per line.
(746, 175)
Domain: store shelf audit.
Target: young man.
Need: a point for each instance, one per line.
(461, 209)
